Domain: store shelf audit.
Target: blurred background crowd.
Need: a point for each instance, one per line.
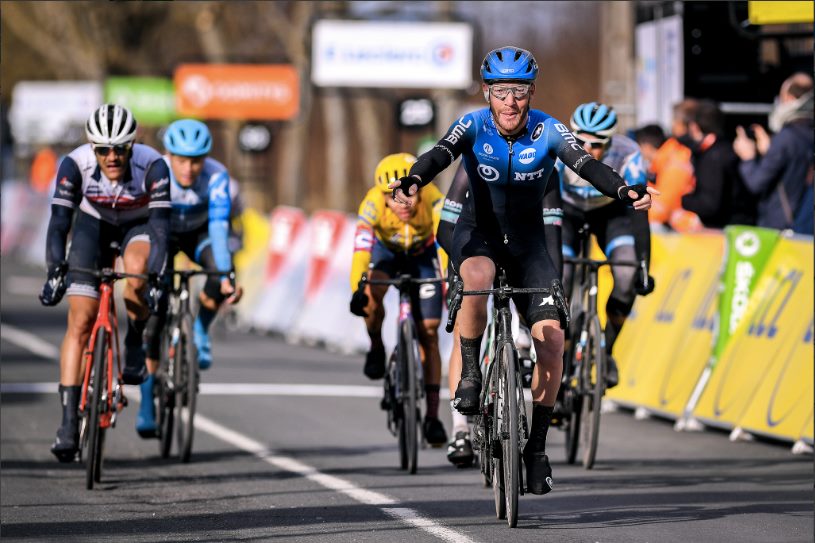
(304, 98)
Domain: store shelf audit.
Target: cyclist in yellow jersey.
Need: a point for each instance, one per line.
(393, 238)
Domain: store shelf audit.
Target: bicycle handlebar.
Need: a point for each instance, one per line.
(597, 264)
(402, 279)
(502, 291)
(108, 273)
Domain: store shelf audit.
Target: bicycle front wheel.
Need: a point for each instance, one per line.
(186, 364)
(510, 441)
(595, 378)
(410, 419)
(165, 392)
(496, 388)
(96, 386)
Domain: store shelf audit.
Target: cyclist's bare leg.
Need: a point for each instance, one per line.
(135, 261)
(427, 330)
(477, 273)
(375, 309)
(81, 317)
(548, 339)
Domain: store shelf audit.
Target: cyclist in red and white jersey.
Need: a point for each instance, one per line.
(119, 192)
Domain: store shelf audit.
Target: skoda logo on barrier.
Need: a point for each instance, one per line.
(747, 244)
(198, 90)
(487, 173)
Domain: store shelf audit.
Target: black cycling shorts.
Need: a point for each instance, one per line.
(198, 248)
(525, 260)
(611, 224)
(90, 248)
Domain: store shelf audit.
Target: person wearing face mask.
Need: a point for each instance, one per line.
(779, 170)
(719, 196)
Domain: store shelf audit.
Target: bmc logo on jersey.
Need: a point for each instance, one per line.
(458, 131)
(487, 173)
(568, 136)
(526, 156)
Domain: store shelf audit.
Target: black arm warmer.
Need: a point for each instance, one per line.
(603, 177)
(58, 228)
(642, 235)
(553, 224)
(432, 163)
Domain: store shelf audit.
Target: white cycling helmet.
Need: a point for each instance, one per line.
(111, 125)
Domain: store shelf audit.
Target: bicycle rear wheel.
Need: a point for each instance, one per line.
(96, 384)
(510, 442)
(165, 385)
(409, 395)
(186, 387)
(595, 378)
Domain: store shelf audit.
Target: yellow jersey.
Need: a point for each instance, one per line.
(375, 220)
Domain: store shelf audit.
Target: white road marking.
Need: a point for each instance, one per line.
(343, 486)
(241, 441)
(29, 341)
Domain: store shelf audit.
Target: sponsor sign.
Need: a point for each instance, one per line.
(392, 54)
(746, 253)
(150, 99)
(659, 69)
(415, 113)
(237, 91)
(52, 111)
(779, 12)
(678, 336)
(764, 378)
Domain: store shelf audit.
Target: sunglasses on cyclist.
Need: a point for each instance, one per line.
(118, 150)
(518, 91)
(595, 144)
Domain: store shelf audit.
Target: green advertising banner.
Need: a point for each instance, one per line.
(747, 249)
(151, 99)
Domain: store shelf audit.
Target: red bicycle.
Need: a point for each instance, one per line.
(102, 396)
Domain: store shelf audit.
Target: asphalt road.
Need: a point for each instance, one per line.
(291, 446)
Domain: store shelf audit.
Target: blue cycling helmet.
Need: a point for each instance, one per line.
(509, 64)
(597, 119)
(188, 137)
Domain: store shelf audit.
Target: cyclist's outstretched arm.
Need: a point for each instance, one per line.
(220, 208)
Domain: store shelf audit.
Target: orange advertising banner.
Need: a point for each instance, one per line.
(237, 91)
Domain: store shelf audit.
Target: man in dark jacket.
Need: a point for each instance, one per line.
(779, 170)
(719, 197)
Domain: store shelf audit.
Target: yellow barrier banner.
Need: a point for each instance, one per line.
(674, 344)
(763, 380)
(632, 359)
(250, 261)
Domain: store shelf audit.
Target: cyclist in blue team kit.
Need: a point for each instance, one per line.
(509, 152)
(121, 190)
(199, 226)
(621, 233)
(459, 449)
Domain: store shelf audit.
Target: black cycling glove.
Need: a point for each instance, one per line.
(406, 187)
(55, 286)
(643, 283)
(359, 301)
(622, 193)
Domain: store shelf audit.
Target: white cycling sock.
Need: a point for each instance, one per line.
(459, 421)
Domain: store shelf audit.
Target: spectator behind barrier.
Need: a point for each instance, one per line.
(719, 197)
(779, 170)
(669, 164)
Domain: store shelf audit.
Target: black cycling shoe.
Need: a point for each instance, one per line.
(460, 450)
(538, 473)
(375, 363)
(66, 445)
(468, 395)
(433, 431)
(612, 375)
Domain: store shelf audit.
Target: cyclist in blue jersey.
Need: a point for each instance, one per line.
(199, 226)
(118, 192)
(509, 152)
(622, 233)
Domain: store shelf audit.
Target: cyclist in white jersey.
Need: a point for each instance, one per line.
(622, 233)
(121, 190)
(199, 226)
